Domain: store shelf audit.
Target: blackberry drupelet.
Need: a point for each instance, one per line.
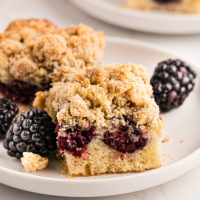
(8, 111)
(31, 131)
(172, 82)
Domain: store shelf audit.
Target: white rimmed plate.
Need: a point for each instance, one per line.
(155, 22)
(181, 124)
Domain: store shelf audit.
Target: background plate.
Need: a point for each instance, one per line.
(180, 124)
(154, 22)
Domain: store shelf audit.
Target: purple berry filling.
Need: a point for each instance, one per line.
(57, 126)
(19, 91)
(127, 139)
(77, 140)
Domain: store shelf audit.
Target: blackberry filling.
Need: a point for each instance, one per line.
(127, 139)
(57, 126)
(19, 91)
(77, 140)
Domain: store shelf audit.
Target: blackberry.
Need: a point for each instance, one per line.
(8, 111)
(31, 131)
(172, 82)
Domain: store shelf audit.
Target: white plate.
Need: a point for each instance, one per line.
(181, 124)
(155, 22)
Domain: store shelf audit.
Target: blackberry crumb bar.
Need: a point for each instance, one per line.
(32, 50)
(179, 6)
(107, 120)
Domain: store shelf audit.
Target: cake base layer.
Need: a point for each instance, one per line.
(101, 159)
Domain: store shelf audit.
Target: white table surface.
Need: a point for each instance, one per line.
(63, 13)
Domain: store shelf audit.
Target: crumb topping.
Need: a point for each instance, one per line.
(33, 50)
(102, 97)
(33, 162)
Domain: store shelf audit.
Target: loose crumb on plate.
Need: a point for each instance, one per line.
(33, 162)
(166, 139)
(182, 141)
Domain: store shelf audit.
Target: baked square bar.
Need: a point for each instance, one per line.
(107, 120)
(32, 50)
(179, 6)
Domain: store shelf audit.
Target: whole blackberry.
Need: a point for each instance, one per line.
(172, 82)
(8, 111)
(31, 131)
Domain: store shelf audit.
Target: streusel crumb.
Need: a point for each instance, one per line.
(33, 162)
(102, 96)
(33, 50)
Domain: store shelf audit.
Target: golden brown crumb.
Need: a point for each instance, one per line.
(33, 162)
(33, 50)
(100, 94)
(166, 139)
(182, 141)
